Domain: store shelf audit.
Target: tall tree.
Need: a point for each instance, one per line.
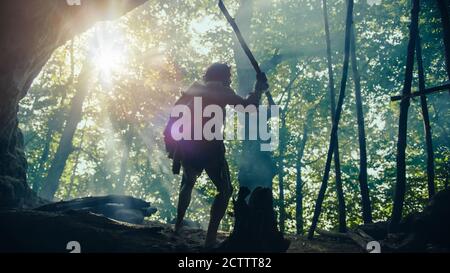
(284, 135)
(400, 186)
(337, 161)
(426, 120)
(65, 144)
(365, 197)
(281, 158)
(334, 129)
(298, 168)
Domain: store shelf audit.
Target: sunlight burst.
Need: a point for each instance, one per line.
(110, 53)
(108, 60)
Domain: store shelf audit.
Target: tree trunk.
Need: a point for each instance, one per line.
(255, 227)
(445, 19)
(282, 148)
(400, 186)
(365, 196)
(299, 222)
(299, 180)
(65, 144)
(284, 134)
(323, 187)
(426, 121)
(337, 160)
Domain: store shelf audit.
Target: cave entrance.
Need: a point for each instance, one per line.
(26, 47)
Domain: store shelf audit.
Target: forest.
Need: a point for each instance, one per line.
(362, 87)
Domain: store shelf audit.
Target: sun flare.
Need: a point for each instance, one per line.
(108, 60)
(109, 51)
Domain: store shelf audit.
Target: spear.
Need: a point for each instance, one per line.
(259, 74)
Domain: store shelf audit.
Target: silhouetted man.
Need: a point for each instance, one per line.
(198, 155)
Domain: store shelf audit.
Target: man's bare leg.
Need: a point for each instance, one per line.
(217, 212)
(184, 198)
(222, 181)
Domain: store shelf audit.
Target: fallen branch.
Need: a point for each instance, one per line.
(358, 239)
(425, 92)
(118, 207)
(364, 235)
(332, 234)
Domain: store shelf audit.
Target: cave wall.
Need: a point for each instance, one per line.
(29, 33)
